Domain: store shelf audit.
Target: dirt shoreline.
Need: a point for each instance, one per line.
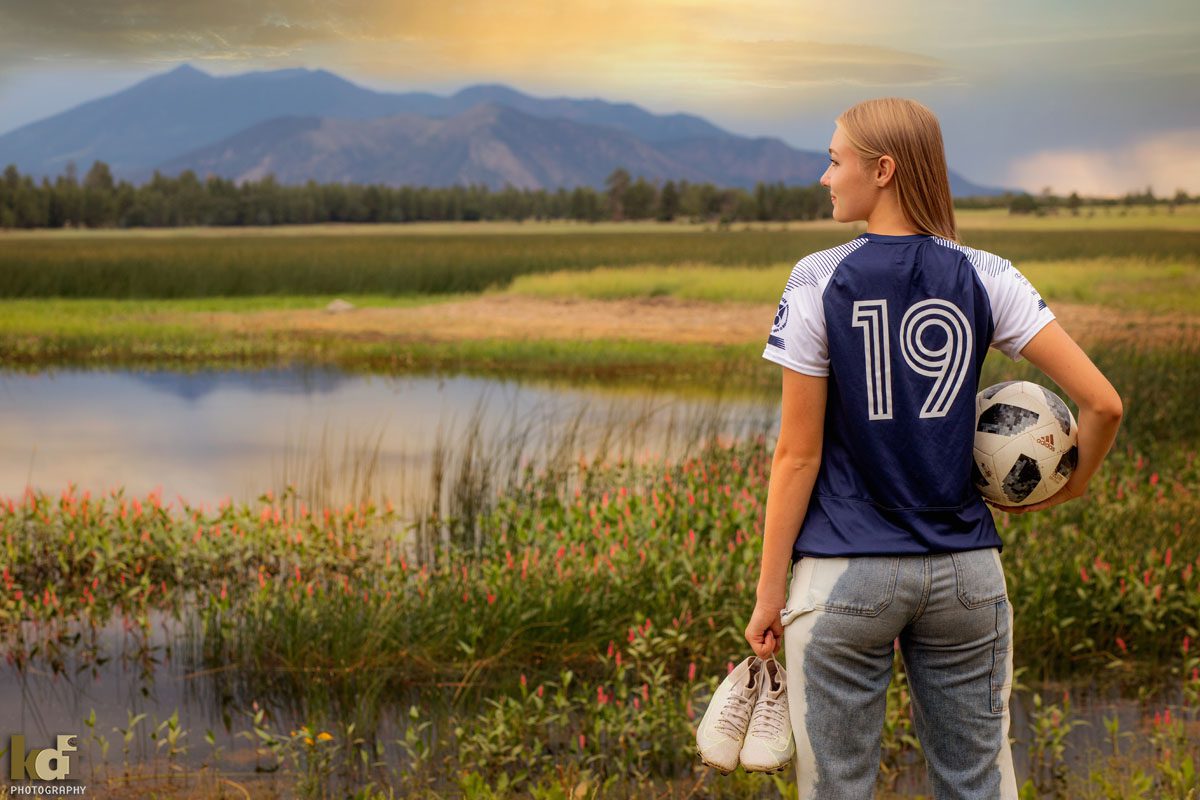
(656, 319)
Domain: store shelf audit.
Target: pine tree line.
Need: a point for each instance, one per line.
(98, 201)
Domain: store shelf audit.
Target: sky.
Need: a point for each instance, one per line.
(1093, 96)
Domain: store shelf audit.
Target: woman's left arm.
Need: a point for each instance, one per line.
(793, 474)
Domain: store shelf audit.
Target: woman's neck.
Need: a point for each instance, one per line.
(887, 219)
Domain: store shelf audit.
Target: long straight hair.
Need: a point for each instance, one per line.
(910, 133)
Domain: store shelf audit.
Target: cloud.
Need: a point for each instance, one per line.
(61, 30)
(792, 63)
(618, 42)
(1166, 161)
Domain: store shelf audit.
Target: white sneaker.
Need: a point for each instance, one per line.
(769, 745)
(724, 724)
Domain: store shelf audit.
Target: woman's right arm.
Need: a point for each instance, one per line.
(1055, 353)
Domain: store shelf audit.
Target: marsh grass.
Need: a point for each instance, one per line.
(1130, 283)
(313, 477)
(366, 264)
(1171, 285)
(135, 267)
(706, 282)
(445, 490)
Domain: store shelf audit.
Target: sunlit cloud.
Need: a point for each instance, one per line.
(1166, 161)
(670, 43)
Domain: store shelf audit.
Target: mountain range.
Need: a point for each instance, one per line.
(301, 124)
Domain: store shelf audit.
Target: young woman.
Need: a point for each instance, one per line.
(871, 499)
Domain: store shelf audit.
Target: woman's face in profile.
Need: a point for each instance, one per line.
(853, 196)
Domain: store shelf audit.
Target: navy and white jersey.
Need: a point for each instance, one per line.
(901, 326)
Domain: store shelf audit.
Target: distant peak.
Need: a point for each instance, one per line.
(187, 71)
(488, 90)
(292, 74)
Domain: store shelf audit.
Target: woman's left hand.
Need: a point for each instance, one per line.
(765, 631)
(1069, 491)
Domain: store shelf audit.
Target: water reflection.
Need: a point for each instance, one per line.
(207, 436)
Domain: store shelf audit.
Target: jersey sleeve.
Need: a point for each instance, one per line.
(797, 339)
(1018, 311)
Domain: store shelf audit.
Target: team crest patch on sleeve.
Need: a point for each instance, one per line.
(781, 316)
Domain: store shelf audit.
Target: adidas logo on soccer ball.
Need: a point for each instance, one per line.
(1046, 441)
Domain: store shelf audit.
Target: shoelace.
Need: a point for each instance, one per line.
(768, 719)
(734, 715)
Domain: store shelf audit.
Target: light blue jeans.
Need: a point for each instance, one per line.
(951, 613)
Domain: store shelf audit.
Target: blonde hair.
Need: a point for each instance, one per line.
(910, 133)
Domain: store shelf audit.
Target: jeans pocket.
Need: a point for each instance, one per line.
(1001, 680)
(799, 599)
(979, 577)
(862, 585)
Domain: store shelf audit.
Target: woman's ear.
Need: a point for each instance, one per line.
(885, 169)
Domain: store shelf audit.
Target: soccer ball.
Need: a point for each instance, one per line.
(1024, 443)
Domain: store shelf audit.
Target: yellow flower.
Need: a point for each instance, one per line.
(323, 736)
(308, 740)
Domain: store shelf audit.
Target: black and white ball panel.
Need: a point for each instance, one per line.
(990, 392)
(1059, 409)
(1006, 419)
(1021, 480)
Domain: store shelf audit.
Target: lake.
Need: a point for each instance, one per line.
(209, 436)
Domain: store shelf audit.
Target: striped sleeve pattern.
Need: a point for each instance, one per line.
(798, 337)
(1018, 311)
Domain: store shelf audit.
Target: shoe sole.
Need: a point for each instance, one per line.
(780, 768)
(721, 770)
(724, 771)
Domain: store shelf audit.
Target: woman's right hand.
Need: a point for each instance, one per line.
(765, 630)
